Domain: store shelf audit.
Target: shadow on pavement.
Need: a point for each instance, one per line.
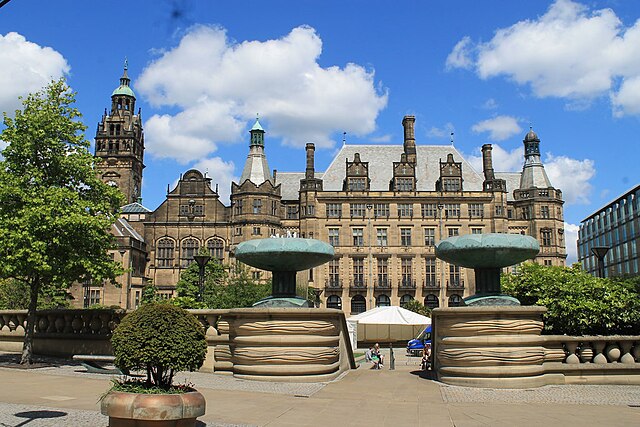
(12, 360)
(427, 375)
(34, 415)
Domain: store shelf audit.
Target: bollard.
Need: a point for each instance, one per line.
(392, 359)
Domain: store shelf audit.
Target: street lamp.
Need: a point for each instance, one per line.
(202, 261)
(600, 252)
(443, 292)
(122, 252)
(369, 207)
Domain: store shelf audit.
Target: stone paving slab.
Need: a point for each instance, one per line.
(559, 394)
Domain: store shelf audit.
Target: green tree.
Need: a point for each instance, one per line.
(417, 307)
(221, 289)
(55, 213)
(577, 303)
(14, 295)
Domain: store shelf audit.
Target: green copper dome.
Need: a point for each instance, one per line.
(123, 90)
(257, 126)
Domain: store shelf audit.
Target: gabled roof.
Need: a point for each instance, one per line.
(121, 228)
(513, 182)
(134, 207)
(381, 158)
(290, 184)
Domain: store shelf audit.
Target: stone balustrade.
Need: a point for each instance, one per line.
(266, 344)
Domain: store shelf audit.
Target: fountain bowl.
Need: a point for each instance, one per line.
(492, 250)
(284, 254)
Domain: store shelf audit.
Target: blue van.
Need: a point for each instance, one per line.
(415, 346)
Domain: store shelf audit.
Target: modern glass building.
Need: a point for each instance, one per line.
(615, 226)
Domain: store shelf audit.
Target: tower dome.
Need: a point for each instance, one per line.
(124, 88)
(531, 136)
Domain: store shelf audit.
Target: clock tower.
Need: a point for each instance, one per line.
(119, 142)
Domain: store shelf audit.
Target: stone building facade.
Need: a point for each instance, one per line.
(383, 208)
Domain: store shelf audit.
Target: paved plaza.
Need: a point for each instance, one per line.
(59, 393)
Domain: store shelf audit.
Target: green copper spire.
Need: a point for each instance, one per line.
(124, 88)
(257, 134)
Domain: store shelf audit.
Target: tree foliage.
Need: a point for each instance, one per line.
(14, 295)
(577, 303)
(222, 288)
(161, 339)
(55, 213)
(417, 307)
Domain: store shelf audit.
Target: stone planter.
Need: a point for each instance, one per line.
(159, 410)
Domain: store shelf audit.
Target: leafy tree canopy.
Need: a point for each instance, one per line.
(577, 303)
(417, 307)
(221, 289)
(55, 213)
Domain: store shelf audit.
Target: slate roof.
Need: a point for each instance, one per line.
(513, 181)
(134, 207)
(381, 158)
(290, 182)
(121, 228)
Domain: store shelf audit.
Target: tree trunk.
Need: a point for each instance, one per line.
(27, 347)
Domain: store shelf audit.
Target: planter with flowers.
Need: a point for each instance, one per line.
(159, 339)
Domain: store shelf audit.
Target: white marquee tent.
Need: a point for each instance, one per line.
(385, 324)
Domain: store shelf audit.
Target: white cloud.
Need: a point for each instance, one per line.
(572, 176)
(503, 160)
(25, 67)
(460, 56)
(221, 173)
(381, 138)
(571, 239)
(569, 52)
(207, 75)
(499, 127)
(490, 104)
(445, 131)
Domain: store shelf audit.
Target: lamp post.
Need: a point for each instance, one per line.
(202, 261)
(600, 252)
(122, 252)
(443, 292)
(369, 260)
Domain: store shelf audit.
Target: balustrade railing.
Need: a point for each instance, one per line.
(592, 349)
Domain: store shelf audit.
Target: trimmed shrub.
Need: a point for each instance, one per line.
(161, 339)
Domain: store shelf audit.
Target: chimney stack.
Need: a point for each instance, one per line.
(310, 172)
(409, 138)
(487, 163)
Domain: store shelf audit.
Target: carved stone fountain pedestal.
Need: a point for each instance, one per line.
(495, 347)
(281, 338)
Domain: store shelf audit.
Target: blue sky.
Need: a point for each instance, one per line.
(486, 71)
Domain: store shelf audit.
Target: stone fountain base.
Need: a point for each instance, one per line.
(289, 344)
(496, 347)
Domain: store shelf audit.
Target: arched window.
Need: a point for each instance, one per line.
(216, 248)
(164, 252)
(405, 299)
(190, 248)
(358, 304)
(431, 301)
(455, 300)
(383, 301)
(334, 301)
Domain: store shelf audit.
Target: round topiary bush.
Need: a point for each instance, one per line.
(161, 339)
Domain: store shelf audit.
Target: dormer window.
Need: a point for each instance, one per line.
(357, 184)
(357, 177)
